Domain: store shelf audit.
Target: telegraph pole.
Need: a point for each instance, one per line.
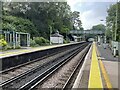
(115, 38)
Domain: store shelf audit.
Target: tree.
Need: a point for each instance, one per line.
(111, 20)
(18, 24)
(46, 17)
(118, 21)
(99, 27)
(76, 20)
(42, 14)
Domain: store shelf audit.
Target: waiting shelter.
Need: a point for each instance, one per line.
(16, 38)
(56, 38)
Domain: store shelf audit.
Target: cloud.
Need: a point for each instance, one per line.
(73, 3)
(89, 19)
(92, 0)
(90, 12)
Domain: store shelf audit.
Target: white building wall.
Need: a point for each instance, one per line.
(61, 40)
(56, 40)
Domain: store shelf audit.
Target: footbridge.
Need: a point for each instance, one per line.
(96, 32)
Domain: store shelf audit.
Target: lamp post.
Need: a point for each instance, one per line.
(116, 21)
(50, 33)
(105, 32)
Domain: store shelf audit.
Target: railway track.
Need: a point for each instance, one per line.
(67, 79)
(12, 83)
(11, 73)
(73, 73)
(42, 77)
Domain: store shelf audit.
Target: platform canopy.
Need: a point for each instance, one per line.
(16, 38)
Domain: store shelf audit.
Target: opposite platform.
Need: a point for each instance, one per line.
(22, 51)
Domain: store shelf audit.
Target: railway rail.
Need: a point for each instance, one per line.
(40, 71)
(69, 77)
(70, 81)
(21, 69)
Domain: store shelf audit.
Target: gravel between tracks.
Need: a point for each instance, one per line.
(56, 80)
(18, 71)
(39, 63)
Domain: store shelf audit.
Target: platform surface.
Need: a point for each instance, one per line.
(101, 70)
(9, 53)
(110, 63)
(95, 80)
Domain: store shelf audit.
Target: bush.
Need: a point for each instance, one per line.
(32, 43)
(66, 41)
(17, 47)
(3, 43)
(41, 41)
(1, 36)
(8, 47)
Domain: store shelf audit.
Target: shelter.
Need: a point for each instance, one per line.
(16, 38)
(56, 38)
(77, 39)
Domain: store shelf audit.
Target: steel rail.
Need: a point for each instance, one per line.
(24, 74)
(68, 82)
(32, 60)
(21, 65)
(34, 82)
(20, 76)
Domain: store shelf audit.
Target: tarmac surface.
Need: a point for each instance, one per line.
(111, 65)
(106, 54)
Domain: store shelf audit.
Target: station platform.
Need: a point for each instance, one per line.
(9, 53)
(99, 70)
(110, 64)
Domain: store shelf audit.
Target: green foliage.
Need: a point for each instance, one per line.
(18, 47)
(99, 27)
(3, 43)
(45, 16)
(8, 47)
(118, 22)
(33, 43)
(76, 20)
(41, 41)
(1, 36)
(113, 22)
(64, 29)
(81, 28)
(12, 23)
(66, 41)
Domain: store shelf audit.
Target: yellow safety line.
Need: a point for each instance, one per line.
(104, 72)
(105, 75)
(95, 80)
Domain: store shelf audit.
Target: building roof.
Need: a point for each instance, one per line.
(56, 35)
(2, 31)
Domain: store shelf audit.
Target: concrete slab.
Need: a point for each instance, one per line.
(27, 50)
(111, 64)
(112, 71)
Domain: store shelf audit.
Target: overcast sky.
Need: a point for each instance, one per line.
(90, 12)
